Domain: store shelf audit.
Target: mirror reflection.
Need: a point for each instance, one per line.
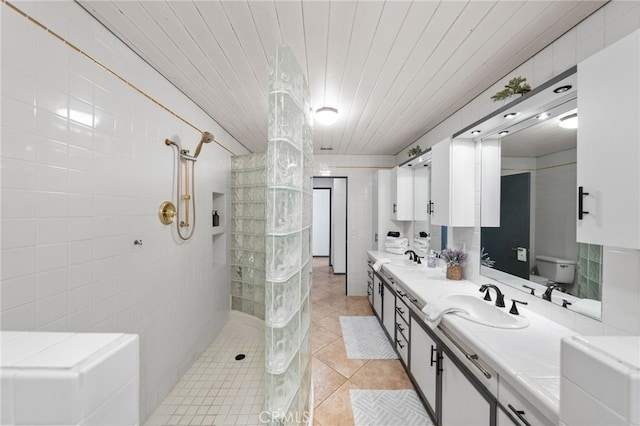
(535, 240)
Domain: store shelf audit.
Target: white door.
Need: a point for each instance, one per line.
(321, 221)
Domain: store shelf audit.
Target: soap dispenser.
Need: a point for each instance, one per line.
(216, 218)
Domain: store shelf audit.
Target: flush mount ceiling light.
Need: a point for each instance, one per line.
(510, 115)
(475, 132)
(562, 89)
(326, 115)
(503, 133)
(569, 121)
(543, 116)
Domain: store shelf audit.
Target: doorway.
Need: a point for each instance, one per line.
(335, 188)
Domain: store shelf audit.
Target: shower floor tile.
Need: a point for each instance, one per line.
(217, 389)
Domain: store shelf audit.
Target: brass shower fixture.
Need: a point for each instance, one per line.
(168, 210)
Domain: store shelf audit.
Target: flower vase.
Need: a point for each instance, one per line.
(454, 272)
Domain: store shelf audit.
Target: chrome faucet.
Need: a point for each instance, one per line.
(499, 295)
(549, 290)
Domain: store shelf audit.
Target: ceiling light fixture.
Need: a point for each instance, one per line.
(510, 115)
(569, 121)
(503, 133)
(543, 116)
(562, 89)
(326, 115)
(475, 132)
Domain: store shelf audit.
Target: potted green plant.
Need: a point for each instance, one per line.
(414, 151)
(455, 259)
(516, 86)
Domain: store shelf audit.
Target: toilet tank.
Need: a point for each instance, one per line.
(556, 269)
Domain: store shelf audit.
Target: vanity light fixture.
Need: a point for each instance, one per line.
(543, 116)
(562, 89)
(569, 121)
(510, 115)
(503, 133)
(475, 132)
(326, 115)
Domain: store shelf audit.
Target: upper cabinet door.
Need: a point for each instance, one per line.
(421, 193)
(453, 183)
(609, 145)
(401, 193)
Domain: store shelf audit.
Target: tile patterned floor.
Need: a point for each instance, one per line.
(218, 390)
(333, 373)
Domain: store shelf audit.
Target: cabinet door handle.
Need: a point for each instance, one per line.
(395, 208)
(433, 350)
(581, 195)
(380, 288)
(401, 328)
(399, 344)
(439, 359)
(520, 414)
(430, 207)
(400, 311)
(401, 293)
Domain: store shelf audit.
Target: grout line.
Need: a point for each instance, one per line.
(107, 69)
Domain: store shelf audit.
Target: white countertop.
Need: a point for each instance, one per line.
(527, 358)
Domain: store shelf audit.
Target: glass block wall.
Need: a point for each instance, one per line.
(248, 226)
(288, 238)
(589, 271)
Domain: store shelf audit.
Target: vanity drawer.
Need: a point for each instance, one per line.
(402, 310)
(518, 408)
(403, 347)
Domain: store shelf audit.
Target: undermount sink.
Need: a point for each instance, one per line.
(406, 263)
(485, 313)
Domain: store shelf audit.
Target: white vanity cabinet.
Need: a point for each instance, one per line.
(377, 296)
(401, 192)
(609, 145)
(462, 403)
(516, 410)
(453, 183)
(388, 310)
(424, 362)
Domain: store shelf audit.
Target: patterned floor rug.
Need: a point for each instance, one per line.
(388, 408)
(364, 338)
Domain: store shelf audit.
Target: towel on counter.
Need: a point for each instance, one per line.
(395, 250)
(437, 308)
(380, 262)
(399, 242)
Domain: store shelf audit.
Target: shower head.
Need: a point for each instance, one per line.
(206, 138)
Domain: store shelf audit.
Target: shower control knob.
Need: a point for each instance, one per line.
(137, 242)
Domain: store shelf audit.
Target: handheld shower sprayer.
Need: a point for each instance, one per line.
(186, 194)
(206, 138)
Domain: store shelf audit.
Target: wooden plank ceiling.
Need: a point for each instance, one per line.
(394, 69)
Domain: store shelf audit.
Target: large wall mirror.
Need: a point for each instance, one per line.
(529, 242)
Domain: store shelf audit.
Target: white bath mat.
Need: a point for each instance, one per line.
(365, 339)
(388, 408)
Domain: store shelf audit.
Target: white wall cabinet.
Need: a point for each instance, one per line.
(609, 145)
(381, 211)
(453, 183)
(462, 403)
(401, 192)
(422, 193)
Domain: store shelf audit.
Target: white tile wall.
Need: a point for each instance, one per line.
(359, 169)
(84, 168)
(621, 284)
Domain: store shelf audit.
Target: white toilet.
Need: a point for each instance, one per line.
(553, 269)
